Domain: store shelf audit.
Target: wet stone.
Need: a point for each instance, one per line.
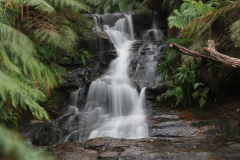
(73, 151)
(169, 117)
(235, 145)
(97, 143)
(109, 154)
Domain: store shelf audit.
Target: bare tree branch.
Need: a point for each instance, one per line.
(212, 54)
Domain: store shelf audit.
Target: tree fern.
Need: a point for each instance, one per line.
(24, 79)
(19, 93)
(44, 5)
(41, 5)
(189, 11)
(198, 26)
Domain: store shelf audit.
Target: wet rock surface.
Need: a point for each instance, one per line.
(189, 124)
(174, 124)
(183, 135)
(143, 20)
(157, 89)
(78, 77)
(149, 148)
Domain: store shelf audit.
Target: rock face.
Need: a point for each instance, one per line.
(148, 148)
(143, 21)
(158, 88)
(79, 77)
(174, 124)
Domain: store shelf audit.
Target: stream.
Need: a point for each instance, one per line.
(116, 115)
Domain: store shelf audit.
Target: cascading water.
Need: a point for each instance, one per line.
(113, 107)
(147, 55)
(112, 99)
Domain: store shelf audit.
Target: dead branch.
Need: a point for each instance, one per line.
(212, 54)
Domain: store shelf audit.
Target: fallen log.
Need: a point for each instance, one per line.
(212, 54)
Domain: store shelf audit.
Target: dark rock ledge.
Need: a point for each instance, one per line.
(147, 148)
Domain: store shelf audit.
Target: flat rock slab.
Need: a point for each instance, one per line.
(149, 148)
(109, 154)
(73, 151)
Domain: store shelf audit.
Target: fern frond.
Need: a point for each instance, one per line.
(6, 63)
(54, 30)
(6, 16)
(77, 5)
(198, 26)
(41, 5)
(22, 94)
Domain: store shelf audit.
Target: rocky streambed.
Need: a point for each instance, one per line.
(149, 148)
(189, 134)
(177, 135)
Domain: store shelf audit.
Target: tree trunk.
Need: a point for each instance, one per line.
(212, 54)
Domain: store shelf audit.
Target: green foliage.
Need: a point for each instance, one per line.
(195, 20)
(11, 144)
(200, 93)
(189, 11)
(235, 33)
(109, 6)
(203, 23)
(85, 54)
(199, 22)
(165, 69)
(28, 54)
(186, 87)
(174, 58)
(45, 5)
(185, 76)
(174, 91)
(64, 28)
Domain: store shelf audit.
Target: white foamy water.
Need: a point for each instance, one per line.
(115, 104)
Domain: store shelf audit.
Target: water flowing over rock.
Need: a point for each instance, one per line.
(112, 105)
(113, 101)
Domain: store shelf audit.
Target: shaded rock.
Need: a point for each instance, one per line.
(56, 102)
(97, 143)
(143, 20)
(157, 89)
(79, 77)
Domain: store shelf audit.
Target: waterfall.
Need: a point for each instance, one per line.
(147, 55)
(112, 105)
(112, 100)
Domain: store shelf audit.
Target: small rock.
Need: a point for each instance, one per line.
(109, 154)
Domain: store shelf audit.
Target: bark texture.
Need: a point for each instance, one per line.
(212, 54)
